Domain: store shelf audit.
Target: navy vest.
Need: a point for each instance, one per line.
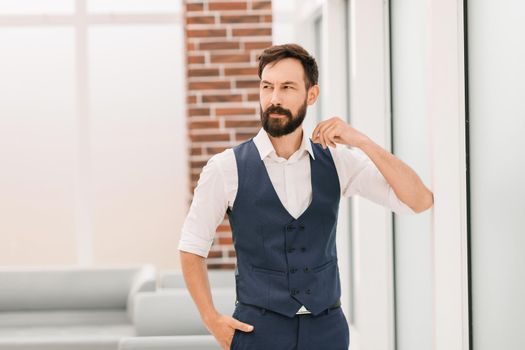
(283, 262)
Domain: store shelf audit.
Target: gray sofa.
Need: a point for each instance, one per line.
(73, 308)
(169, 319)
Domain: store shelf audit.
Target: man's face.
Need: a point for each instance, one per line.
(283, 97)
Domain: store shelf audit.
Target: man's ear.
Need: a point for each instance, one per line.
(313, 94)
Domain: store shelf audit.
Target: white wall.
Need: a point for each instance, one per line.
(496, 33)
(411, 143)
(372, 224)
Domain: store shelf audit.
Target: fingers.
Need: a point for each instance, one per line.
(224, 329)
(330, 135)
(325, 133)
(319, 128)
(236, 324)
(242, 326)
(318, 133)
(321, 138)
(315, 132)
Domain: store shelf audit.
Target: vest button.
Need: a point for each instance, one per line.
(303, 249)
(290, 250)
(306, 269)
(290, 227)
(308, 291)
(295, 291)
(301, 226)
(293, 269)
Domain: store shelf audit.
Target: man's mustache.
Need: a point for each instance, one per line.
(277, 110)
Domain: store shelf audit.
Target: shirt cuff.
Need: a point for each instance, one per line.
(195, 246)
(397, 205)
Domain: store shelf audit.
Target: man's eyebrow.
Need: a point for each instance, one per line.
(288, 82)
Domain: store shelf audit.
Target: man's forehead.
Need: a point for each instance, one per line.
(286, 70)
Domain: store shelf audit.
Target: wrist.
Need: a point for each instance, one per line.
(209, 316)
(363, 142)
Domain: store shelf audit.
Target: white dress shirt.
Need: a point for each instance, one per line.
(217, 187)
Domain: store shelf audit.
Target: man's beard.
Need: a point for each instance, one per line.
(277, 127)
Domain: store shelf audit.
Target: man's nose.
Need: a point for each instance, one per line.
(276, 97)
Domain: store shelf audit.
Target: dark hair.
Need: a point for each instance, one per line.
(276, 53)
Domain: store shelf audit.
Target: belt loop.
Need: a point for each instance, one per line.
(327, 311)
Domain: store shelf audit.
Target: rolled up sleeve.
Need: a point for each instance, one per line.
(206, 212)
(360, 176)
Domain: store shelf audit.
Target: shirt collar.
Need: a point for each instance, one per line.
(265, 147)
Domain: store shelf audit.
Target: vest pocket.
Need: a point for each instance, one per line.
(324, 266)
(268, 271)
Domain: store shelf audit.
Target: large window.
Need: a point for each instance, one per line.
(92, 130)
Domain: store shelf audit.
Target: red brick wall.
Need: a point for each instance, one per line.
(223, 39)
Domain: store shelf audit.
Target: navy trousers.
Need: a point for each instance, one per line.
(272, 331)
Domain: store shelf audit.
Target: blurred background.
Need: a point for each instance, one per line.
(109, 109)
